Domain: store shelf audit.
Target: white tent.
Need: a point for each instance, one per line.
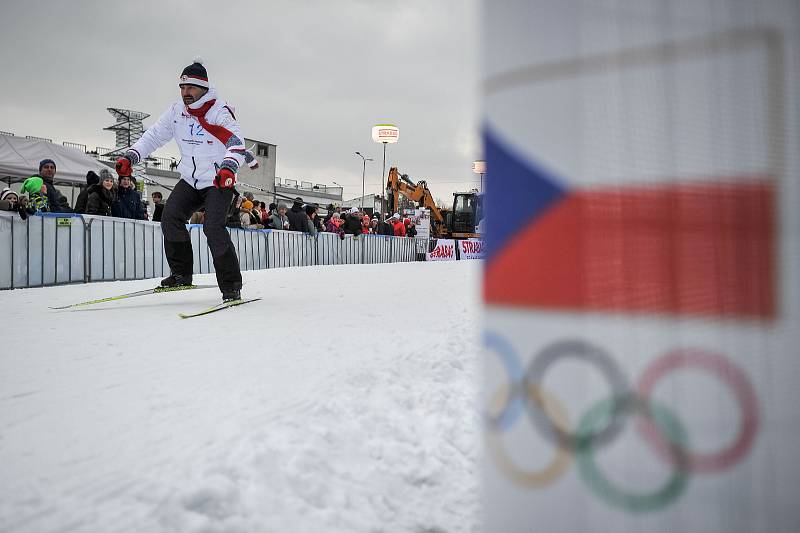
(19, 159)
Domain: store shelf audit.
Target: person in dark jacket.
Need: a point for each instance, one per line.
(311, 215)
(297, 216)
(271, 210)
(331, 210)
(101, 197)
(232, 219)
(318, 225)
(56, 201)
(80, 203)
(384, 228)
(411, 229)
(11, 201)
(128, 203)
(352, 223)
(158, 205)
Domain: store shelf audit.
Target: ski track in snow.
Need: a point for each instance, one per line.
(345, 400)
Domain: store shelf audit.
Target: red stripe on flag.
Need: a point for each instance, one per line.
(692, 249)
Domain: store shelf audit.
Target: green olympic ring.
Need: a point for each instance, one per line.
(609, 409)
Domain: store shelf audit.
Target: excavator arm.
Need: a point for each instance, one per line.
(398, 184)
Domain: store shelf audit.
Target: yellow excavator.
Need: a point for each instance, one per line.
(458, 223)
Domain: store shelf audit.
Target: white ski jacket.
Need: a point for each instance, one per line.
(201, 152)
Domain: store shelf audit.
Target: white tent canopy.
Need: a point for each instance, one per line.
(19, 159)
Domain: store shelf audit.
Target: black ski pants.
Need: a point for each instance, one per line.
(182, 202)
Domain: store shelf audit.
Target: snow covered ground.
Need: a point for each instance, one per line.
(344, 401)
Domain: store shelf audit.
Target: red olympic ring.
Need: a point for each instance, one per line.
(729, 374)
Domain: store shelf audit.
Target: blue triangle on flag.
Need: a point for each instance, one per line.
(517, 192)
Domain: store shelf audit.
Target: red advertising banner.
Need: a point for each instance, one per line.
(445, 250)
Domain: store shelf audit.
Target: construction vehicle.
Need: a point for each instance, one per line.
(458, 223)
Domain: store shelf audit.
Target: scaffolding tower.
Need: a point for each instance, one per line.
(129, 129)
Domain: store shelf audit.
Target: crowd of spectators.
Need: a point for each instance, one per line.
(102, 195)
(246, 212)
(105, 196)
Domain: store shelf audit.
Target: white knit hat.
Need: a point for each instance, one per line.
(6, 193)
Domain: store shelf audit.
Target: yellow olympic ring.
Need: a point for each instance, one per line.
(562, 458)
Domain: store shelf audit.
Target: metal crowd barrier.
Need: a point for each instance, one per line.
(123, 249)
(42, 250)
(55, 249)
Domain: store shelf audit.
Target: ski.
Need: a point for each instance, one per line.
(218, 307)
(145, 292)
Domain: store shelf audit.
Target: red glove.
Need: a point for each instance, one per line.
(123, 167)
(225, 178)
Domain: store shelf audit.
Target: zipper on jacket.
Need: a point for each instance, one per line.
(194, 169)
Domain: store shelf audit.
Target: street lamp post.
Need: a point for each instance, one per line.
(479, 167)
(363, 177)
(341, 187)
(385, 133)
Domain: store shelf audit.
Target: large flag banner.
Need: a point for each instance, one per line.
(641, 277)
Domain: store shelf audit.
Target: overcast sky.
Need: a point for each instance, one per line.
(309, 76)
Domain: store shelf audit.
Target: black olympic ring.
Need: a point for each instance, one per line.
(544, 422)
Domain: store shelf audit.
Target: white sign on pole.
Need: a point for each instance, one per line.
(385, 133)
(422, 221)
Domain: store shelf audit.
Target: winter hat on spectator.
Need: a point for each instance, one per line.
(406, 221)
(247, 205)
(43, 162)
(249, 195)
(32, 185)
(92, 178)
(195, 74)
(396, 216)
(6, 193)
(105, 174)
(354, 210)
(336, 215)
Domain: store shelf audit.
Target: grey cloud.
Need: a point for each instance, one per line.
(312, 77)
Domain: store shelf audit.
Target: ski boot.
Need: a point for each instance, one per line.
(231, 294)
(176, 281)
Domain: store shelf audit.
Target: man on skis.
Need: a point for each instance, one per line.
(212, 150)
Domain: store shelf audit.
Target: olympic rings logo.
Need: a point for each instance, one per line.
(604, 421)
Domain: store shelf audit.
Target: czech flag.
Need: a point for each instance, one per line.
(698, 247)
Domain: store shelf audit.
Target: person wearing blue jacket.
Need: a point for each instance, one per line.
(128, 203)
